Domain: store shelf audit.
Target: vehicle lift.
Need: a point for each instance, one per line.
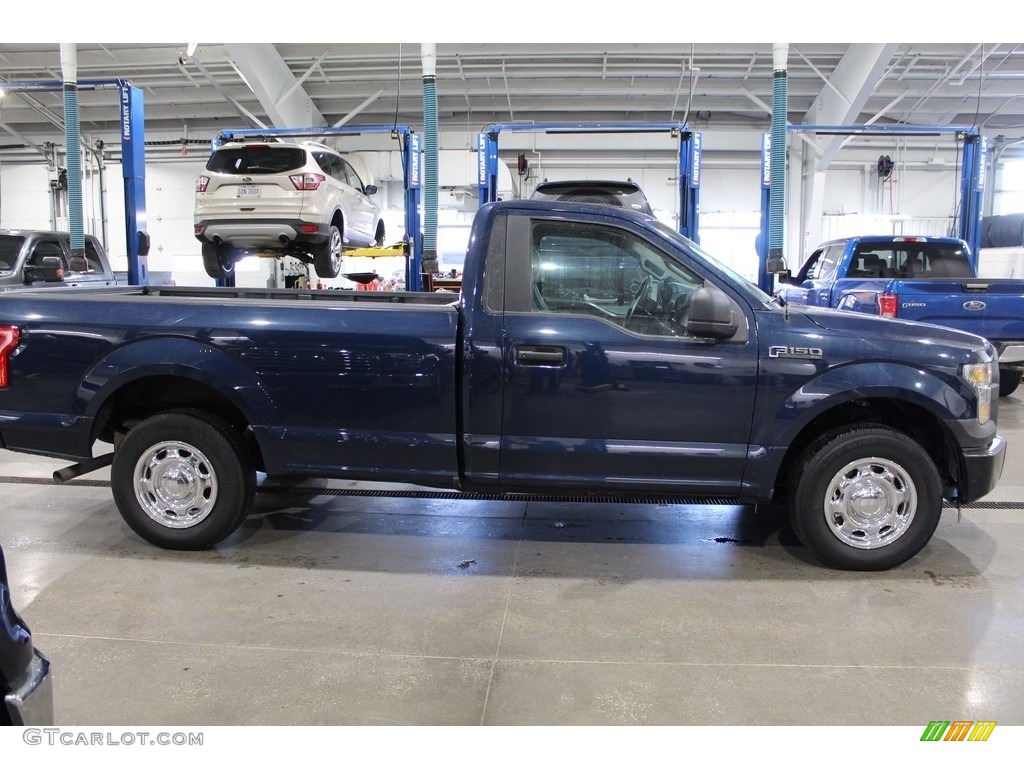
(412, 172)
(689, 158)
(972, 180)
(133, 165)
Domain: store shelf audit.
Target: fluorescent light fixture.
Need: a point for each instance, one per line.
(192, 49)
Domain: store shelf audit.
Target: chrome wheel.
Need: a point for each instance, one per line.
(870, 503)
(335, 250)
(175, 484)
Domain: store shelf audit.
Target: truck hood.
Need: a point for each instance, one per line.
(891, 333)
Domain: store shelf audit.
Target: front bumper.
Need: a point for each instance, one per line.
(32, 702)
(980, 469)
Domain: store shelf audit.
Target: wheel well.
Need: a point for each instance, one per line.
(146, 397)
(912, 420)
(339, 221)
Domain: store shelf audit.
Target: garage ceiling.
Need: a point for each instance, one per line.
(713, 87)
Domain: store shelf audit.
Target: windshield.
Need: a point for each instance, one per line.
(738, 281)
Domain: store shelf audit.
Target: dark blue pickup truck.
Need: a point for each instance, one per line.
(591, 350)
(926, 279)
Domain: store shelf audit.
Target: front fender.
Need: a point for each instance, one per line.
(179, 357)
(945, 396)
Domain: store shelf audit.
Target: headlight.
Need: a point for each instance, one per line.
(979, 376)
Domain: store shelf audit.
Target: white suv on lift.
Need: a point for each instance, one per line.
(279, 198)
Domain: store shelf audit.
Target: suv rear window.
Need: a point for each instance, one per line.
(256, 159)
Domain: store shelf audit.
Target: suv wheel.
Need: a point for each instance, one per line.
(327, 256)
(219, 261)
(378, 239)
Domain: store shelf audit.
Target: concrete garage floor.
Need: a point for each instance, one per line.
(330, 608)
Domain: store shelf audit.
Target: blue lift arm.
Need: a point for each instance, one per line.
(133, 165)
(689, 159)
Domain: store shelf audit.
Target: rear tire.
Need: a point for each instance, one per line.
(327, 256)
(183, 480)
(218, 261)
(865, 498)
(1009, 380)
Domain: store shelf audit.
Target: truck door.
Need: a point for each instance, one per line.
(603, 387)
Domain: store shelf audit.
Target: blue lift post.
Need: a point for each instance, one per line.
(411, 168)
(133, 165)
(689, 158)
(972, 179)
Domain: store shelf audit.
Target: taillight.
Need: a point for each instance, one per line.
(887, 304)
(202, 182)
(307, 182)
(9, 338)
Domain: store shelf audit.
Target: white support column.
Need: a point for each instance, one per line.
(840, 101)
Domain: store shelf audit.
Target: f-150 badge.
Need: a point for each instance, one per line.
(802, 353)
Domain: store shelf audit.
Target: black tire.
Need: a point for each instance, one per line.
(1009, 380)
(327, 256)
(865, 498)
(218, 261)
(183, 480)
(378, 238)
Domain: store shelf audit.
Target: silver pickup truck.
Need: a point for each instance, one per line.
(38, 259)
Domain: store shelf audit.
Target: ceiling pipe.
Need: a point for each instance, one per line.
(73, 147)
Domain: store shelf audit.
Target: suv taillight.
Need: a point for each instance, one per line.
(887, 304)
(307, 182)
(9, 338)
(202, 183)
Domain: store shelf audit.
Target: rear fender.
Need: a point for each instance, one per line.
(179, 357)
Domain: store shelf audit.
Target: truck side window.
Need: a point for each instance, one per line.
(592, 269)
(822, 264)
(42, 250)
(93, 263)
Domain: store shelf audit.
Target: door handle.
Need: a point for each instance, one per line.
(541, 356)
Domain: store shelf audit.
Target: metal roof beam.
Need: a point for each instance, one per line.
(280, 93)
(845, 93)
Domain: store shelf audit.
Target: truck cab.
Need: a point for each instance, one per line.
(42, 259)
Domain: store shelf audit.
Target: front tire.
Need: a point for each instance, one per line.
(378, 238)
(327, 256)
(183, 480)
(865, 498)
(1009, 380)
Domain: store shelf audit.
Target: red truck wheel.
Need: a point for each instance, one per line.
(183, 480)
(866, 498)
